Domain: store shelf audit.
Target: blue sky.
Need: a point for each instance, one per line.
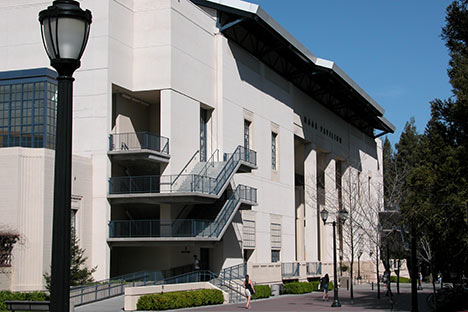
(391, 48)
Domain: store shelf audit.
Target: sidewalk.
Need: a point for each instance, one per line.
(364, 299)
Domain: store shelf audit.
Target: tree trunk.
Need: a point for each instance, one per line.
(377, 266)
(398, 277)
(414, 272)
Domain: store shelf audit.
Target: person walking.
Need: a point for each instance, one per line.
(420, 278)
(249, 290)
(324, 285)
(196, 263)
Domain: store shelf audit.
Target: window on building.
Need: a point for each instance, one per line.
(203, 135)
(249, 234)
(28, 109)
(275, 256)
(73, 221)
(273, 150)
(247, 134)
(369, 182)
(275, 236)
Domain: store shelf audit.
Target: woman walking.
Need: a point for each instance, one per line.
(249, 290)
(324, 285)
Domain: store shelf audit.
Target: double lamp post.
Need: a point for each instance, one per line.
(342, 217)
(65, 32)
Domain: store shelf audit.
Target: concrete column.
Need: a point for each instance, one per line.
(165, 217)
(300, 256)
(331, 202)
(312, 217)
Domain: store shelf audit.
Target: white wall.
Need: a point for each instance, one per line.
(26, 189)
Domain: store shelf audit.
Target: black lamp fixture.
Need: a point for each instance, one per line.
(342, 217)
(65, 32)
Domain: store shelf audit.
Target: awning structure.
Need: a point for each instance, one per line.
(249, 26)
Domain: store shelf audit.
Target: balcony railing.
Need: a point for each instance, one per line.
(138, 141)
(244, 154)
(162, 184)
(157, 228)
(289, 269)
(314, 268)
(247, 193)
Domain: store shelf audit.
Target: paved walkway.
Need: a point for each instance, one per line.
(365, 299)
(109, 305)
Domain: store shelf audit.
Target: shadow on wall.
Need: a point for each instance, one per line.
(271, 83)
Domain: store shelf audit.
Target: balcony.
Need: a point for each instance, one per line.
(246, 157)
(158, 228)
(162, 187)
(189, 229)
(139, 146)
(194, 187)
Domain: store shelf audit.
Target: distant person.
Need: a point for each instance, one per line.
(420, 278)
(196, 263)
(249, 290)
(439, 279)
(324, 285)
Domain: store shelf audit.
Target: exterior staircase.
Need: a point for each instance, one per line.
(208, 179)
(190, 228)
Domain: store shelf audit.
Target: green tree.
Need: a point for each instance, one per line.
(437, 186)
(79, 273)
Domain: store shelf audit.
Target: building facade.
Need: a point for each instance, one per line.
(205, 129)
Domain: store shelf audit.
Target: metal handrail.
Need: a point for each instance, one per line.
(109, 288)
(210, 160)
(186, 165)
(159, 184)
(157, 228)
(138, 141)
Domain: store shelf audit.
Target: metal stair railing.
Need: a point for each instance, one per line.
(234, 288)
(190, 183)
(210, 161)
(109, 288)
(184, 227)
(186, 166)
(242, 192)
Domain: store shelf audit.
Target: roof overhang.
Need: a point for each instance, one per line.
(249, 26)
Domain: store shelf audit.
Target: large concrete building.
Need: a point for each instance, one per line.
(201, 127)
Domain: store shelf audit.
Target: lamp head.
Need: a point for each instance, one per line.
(65, 32)
(343, 215)
(324, 215)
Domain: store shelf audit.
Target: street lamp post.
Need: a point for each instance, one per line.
(342, 216)
(359, 265)
(65, 31)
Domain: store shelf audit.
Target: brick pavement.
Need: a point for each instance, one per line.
(364, 300)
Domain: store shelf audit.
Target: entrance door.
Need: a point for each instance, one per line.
(204, 258)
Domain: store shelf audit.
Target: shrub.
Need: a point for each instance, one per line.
(180, 299)
(393, 279)
(298, 288)
(31, 296)
(262, 291)
(304, 287)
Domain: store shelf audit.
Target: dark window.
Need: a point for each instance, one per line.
(273, 150)
(275, 256)
(247, 134)
(203, 122)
